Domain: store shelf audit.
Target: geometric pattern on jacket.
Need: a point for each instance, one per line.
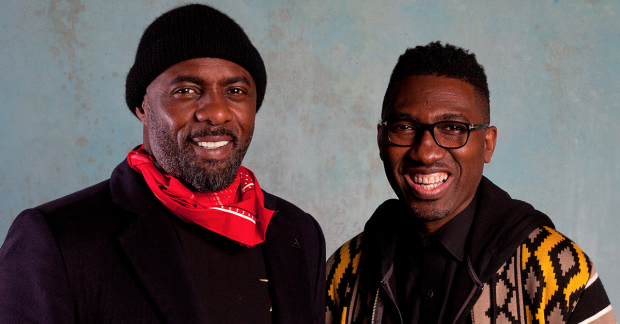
(343, 284)
(548, 279)
(543, 282)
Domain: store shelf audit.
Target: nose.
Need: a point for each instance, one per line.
(426, 150)
(214, 109)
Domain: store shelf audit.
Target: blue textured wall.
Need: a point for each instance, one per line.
(552, 67)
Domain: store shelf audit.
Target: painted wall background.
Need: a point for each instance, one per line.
(553, 69)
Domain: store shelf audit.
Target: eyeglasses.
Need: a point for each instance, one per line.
(447, 134)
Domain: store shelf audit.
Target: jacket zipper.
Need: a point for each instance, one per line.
(374, 308)
(478, 286)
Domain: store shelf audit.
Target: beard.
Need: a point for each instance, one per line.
(196, 173)
(426, 214)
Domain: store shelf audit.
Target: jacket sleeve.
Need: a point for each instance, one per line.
(560, 281)
(593, 305)
(342, 281)
(34, 284)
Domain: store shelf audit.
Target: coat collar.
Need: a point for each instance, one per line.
(153, 250)
(154, 253)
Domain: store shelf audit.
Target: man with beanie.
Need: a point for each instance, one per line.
(181, 232)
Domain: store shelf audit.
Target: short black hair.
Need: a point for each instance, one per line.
(443, 61)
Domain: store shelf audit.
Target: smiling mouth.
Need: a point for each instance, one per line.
(212, 145)
(430, 181)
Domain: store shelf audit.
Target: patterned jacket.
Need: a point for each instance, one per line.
(518, 270)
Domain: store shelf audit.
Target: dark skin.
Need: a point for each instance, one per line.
(201, 112)
(435, 182)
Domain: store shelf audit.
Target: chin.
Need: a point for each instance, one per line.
(428, 213)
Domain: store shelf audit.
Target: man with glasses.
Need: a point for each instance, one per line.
(454, 248)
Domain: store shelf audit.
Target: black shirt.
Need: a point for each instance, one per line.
(231, 279)
(424, 267)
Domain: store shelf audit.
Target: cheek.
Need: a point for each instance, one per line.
(249, 123)
(394, 158)
(471, 163)
(175, 119)
(246, 122)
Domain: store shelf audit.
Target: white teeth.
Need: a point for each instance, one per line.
(212, 145)
(429, 182)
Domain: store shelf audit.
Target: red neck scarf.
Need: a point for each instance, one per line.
(236, 212)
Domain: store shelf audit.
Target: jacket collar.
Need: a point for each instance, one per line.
(500, 225)
(153, 250)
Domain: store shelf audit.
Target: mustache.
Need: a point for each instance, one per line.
(214, 131)
(419, 165)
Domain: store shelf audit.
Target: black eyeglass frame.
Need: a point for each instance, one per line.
(431, 128)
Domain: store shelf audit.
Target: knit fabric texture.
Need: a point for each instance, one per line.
(548, 279)
(189, 32)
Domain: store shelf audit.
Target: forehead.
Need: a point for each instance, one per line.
(207, 69)
(430, 99)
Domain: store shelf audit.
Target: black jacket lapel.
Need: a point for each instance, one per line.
(153, 251)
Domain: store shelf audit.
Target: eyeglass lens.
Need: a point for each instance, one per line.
(446, 134)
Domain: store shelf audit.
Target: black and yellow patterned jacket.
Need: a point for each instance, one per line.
(518, 270)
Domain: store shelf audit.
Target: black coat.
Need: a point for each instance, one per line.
(109, 254)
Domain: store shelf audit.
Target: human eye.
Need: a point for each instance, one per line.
(402, 127)
(185, 92)
(237, 91)
(451, 128)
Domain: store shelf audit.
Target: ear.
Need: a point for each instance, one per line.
(490, 138)
(143, 111)
(379, 144)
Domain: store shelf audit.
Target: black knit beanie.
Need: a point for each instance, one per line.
(189, 32)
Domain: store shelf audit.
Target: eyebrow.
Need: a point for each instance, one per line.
(236, 79)
(452, 116)
(185, 78)
(399, 116)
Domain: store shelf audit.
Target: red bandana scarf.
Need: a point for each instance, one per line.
(236, 212)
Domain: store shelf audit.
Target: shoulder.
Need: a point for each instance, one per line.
(555, 262)
(61, 212)
(282, 205)
(500, 225)
(342, 279)
(347, 253)
(344, 262)
(559, 278)
(291, 213)
(89, 215)
(85, 211)
(553, 280)
(84, 198)
(546, 250)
